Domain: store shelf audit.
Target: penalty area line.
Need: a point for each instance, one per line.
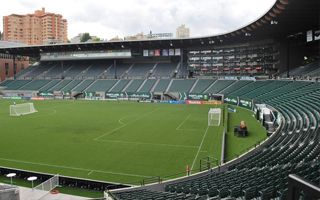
(199, 149)
(124, 125)
(179, 126)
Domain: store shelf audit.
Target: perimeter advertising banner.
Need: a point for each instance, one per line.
(231, 100)
(115, 95)
(90, 94)
(245, 103)
(138, 95)
(194, 96)
(200, 102)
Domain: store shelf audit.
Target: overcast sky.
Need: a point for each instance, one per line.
(109, 18)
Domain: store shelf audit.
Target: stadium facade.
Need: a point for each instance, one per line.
(235, 67)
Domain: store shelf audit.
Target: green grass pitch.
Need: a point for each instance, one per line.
(116, 141)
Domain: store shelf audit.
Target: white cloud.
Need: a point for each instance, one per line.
(109, 18)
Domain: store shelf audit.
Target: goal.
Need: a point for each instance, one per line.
(22, 109)
(45, 187)
(214, 117)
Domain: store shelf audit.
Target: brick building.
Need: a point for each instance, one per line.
(41, 27)
(10, 65)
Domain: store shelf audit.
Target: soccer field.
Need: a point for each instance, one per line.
(111, 141)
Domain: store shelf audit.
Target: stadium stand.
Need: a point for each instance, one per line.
(164, 70)
(183, 85)
(82, 86)
(134, 85)
(219, 85)
(161, 85)
(101, 86)
(140, 70)
(264, 173)
(309, 70)
(201, 85)
(120, 85)
(147, 85)
(255, 56)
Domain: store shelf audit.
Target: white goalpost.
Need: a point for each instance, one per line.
(214, 117)
(45, 187)
(22, 109)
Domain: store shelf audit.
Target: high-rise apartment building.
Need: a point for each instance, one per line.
(41, 27)
(183, 32)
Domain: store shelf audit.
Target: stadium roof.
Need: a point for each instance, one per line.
(285, 17)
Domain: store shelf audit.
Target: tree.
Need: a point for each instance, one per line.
(0, 35)
(85, 37)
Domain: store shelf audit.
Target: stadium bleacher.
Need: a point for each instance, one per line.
(264, 173)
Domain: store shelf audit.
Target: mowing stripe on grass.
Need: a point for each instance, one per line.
(153, 144)
(124, 125)
(74, 168)
(195, 158)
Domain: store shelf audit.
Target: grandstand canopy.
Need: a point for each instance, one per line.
(285, 18)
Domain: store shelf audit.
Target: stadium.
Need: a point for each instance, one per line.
(229, 116)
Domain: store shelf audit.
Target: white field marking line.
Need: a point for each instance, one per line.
(189, 129)
(178, 127)
(120, 120)
(124, 125)
(195, 158)
(74, 168)
(147, 143)
(90, 173)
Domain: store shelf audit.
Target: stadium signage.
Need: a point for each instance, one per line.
(161, 52)
(247, 78)
(231, 100)
(194, 96)
(108, 54)
(195, 102)
(245, 103)
(114, 95)
(139, 95)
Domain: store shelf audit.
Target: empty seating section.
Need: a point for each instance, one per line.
(147, 86)
(49, 87)
(235, 87)
(17, 84)
(247, 88)
(6, 82)
(263, 174)
(202, 85)
(60, 85)
(181, 85)
(164, 70)
(161, 85)
(77, 69)
(311, 69)
(82, 86)
(219, 85)
(120, 85)
(134, 85)
(120, 71)
(34, 85)
(70, 85)
(34, 71)
(101, 86)
(96, 70)
(270, 86)
(140, 70)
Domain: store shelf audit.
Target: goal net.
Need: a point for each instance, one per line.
(214, 117)
(44, 188)
(22, 109)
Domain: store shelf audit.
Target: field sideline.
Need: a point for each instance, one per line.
(111, 141)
